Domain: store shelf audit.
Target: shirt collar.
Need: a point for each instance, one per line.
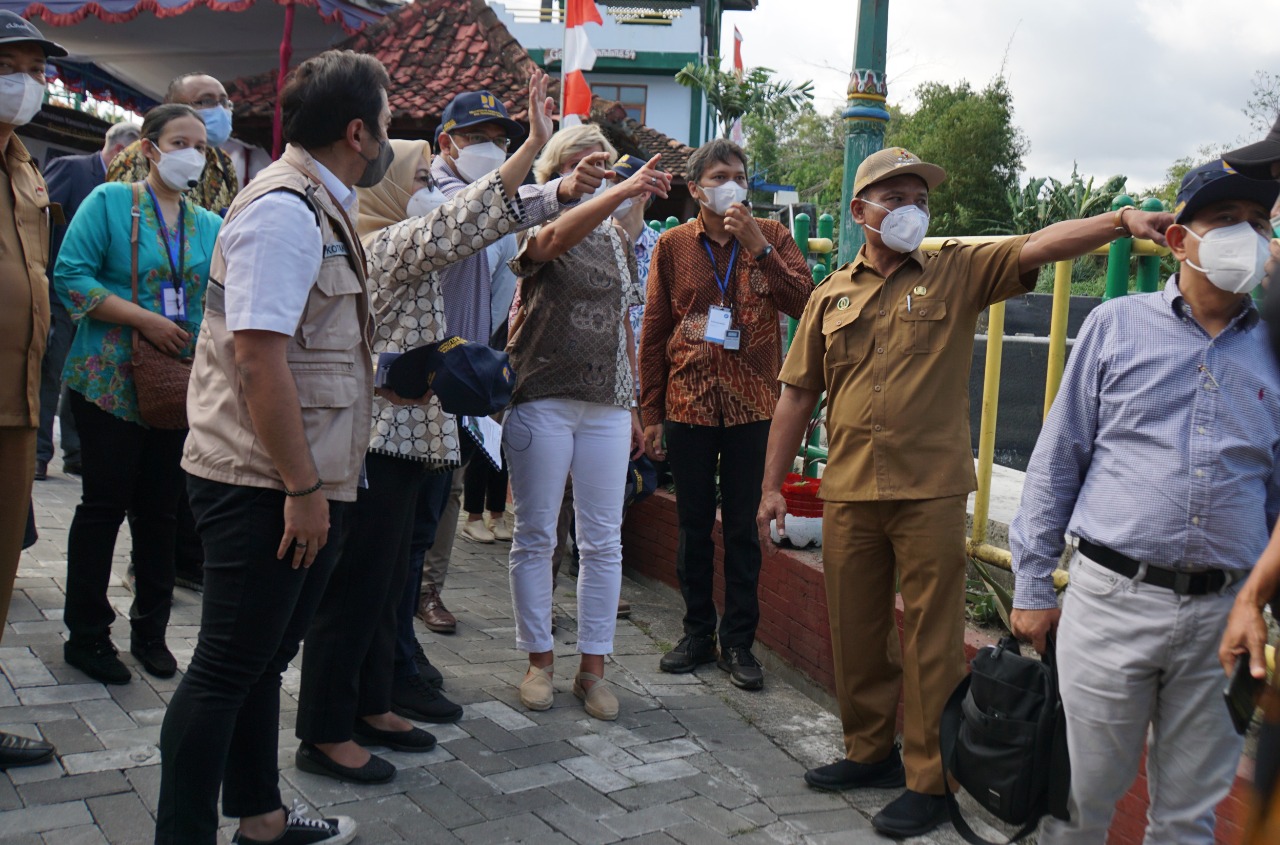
(861, 260)
(345, 196)
(1172, 295)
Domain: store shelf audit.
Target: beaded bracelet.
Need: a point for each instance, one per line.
(313, 488)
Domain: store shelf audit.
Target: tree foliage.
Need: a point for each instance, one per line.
(757, 93)
(806, 151)
(1263, 106)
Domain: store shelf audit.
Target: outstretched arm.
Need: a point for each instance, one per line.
(1073, 238)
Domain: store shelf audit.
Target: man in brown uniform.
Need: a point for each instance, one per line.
(890, 337)
(24, 312)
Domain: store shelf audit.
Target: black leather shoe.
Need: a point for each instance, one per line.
(72, 468)
(691, 652)
(413, 740)
(429, 673)
(850, 774)
(97, 659)
(911, 814)
(743, 668)
(42, 470)
(155, 657)
(313, 760)
(18, 751)
(414, 698)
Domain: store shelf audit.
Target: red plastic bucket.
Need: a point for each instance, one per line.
(801, 495)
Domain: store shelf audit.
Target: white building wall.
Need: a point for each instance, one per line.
(667, 108)
(684, 35)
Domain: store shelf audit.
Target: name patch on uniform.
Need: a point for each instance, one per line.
(339, 248)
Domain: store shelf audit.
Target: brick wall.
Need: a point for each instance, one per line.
(793, 625)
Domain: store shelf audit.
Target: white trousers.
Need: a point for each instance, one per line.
(1138, 662)
(546, 441)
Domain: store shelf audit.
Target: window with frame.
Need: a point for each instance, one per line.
(632, 98)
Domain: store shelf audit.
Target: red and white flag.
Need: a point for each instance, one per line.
(579, 57)
(735, 133)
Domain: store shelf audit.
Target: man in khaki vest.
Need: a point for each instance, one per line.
(279, 404)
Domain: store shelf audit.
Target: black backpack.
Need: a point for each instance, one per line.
(1004, 739)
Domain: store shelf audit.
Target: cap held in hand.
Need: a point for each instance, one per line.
(468, 378)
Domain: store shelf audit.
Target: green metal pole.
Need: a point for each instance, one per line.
(1118, 257)
(1149, 265)
(865, 116)
(801, 232)
(671, 223)
(826, 229)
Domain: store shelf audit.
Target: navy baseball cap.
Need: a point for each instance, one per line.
(14, 29)
(627, 166)
(1255, 160)
(1217, 181)
(474, 108)
(468, 378)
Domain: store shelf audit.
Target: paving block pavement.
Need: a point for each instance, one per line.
(691, 759)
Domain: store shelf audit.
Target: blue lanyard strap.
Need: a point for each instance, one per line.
(723, 284)
(177, 251)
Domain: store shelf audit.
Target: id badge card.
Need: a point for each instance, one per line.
(733, 340)
(385, 360)
(173, 304)
(718, 320)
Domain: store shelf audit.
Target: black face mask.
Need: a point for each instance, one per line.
(375, 168)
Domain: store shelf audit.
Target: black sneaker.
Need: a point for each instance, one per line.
(97, 659)
(193, 581)
(690, 653)
(911, 814)
(301, 829)
(155, 657)
(415, 698)
(72, 468)
(429, 673)
(743, 668)
(42, 470)
(850, 774)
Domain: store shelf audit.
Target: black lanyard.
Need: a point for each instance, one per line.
(177, 261)
(723, 284)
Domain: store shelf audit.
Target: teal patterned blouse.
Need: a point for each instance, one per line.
(95, 261)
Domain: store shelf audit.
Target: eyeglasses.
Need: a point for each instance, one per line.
(480, 138)
(209, 102)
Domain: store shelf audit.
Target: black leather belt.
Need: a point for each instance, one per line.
(1180, 582)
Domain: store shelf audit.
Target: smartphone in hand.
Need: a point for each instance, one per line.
(1242, 694)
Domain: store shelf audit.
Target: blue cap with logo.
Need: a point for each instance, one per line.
(475, 107)
(468, 378)
(627, 166)
(1216, 181)
(14, 29)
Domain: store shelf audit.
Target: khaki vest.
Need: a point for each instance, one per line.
(329, 356)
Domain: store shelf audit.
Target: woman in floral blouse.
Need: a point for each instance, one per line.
(130, 468)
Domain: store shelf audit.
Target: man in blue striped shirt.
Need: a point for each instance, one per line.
(1160, 458)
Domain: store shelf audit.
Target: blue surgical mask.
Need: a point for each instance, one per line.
(217, 124)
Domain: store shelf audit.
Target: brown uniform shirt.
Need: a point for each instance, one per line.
(24, 290)
(897, 377)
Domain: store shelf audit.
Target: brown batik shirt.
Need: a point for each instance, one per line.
(893, 355)
(686, 378)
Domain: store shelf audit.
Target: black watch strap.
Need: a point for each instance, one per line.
(765, 253)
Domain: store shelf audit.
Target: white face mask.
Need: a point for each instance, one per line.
(719, 198)
(424, 201)
(623, 207)
(20, 98)
(903, 228)
(1233, 257)
(478, 159)
(181, 169)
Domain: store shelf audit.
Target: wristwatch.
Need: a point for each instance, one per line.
(765, 253)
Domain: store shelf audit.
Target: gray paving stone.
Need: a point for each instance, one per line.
(577, 794)
(443, 804)
(104, 715)
(654, 772)
(656, 752)
(577, 825)
(482, 759)
(606, 751)
(500, 714)
(695, 833)
(17, 823)
(111, 758)
(87, 835)
(532, 777)
(648, 820)
(460, 777)
(525, 827)
(64, 694)
(526, 801)
(70, 736)
(651, 794)
(24, 669)
(9, 798)
(757, 813)
(74, 788)
(827, 821)
(122, 818)
(547, 752)
(495, 737)
(810, 801)
(596, 774)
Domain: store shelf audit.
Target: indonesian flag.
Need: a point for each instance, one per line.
(579, 57)
(735, 133)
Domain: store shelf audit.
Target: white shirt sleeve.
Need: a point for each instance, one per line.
(273, 250)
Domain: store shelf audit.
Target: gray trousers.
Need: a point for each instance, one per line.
(435, 566)
(1139, 663)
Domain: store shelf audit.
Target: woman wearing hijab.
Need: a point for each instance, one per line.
(409, 232)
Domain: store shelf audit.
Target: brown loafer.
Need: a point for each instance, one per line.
(434, 614)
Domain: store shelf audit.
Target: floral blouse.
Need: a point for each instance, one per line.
(96, 261)
(408, 309)
(643, 248)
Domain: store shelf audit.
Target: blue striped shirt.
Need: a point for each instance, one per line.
(1162, 444)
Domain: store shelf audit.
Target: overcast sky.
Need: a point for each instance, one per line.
(1121, 86)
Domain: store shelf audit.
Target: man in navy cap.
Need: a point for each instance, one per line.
(1159, 458)
(24, 311)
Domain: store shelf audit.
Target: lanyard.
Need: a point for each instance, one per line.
(178, 257)
(723, 284)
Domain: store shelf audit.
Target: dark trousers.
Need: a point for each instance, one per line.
(696, 453)
(347, 665)
(433, 494)
(128, 470)
(223, 723)
(483, 485)
(51, 390)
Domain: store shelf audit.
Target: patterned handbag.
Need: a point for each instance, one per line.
(159, 379)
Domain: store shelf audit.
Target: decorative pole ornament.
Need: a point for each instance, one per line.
(865, 115)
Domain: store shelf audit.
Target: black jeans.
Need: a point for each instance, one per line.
(223, 723)
(347, 665)
(128, 470)
(483, 485)
(433, 493)
(696, 452)
(51, 389)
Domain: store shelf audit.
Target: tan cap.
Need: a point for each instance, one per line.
(895, 161)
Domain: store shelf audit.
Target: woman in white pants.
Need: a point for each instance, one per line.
(573, 412)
